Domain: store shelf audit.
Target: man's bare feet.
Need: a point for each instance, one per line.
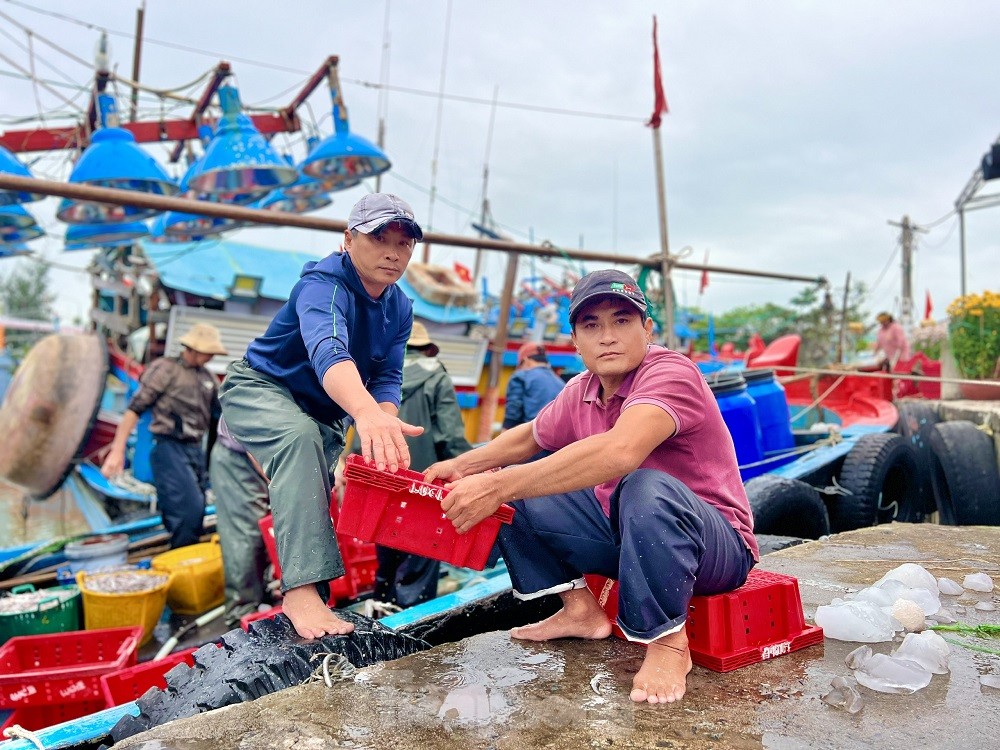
(663, 675)
(580, 617)
(310, 615)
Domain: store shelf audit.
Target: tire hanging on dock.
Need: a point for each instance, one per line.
(248, 665)
(916, 420)
(964, 475)
(786, 507)
(882, 482)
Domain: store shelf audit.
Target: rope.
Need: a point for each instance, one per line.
(832, 439)
(882, 376)
(344, 670)
(826, 393)
(19, 732)
(376, 610)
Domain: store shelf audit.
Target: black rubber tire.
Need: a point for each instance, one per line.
(916, 420)
(786, 507)
(880, 474)
(964, 475)
(268, 658)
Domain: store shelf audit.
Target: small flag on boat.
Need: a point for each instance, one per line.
(463, 272)
(928, 307)
(660, 100)
(704, 276)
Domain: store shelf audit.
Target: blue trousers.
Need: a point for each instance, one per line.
(180, 479)
(404, 579)
(662, 543)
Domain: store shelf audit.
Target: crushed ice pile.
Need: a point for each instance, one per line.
(906, 599)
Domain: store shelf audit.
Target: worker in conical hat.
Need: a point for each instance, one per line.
(184, 399)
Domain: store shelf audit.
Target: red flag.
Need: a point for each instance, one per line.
(704, 276)
(928, 307)
(660, 99)
(463, 272)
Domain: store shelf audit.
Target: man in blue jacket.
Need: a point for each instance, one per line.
(333, 351)
(530, 388)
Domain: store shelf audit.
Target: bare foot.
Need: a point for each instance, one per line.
(310, 615)
(580, 617)
(663, 675)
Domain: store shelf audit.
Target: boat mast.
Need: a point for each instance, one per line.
(666, 262)
(383, 92)
(136, 61)
(437, 133)
(486, 181)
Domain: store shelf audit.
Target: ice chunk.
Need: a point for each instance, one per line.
(986, 607)
(855, 621)
(978, 582)
(949, 587)
(890, 674)
(911, 575)
(909, 614)
(927, 649)
(927, 600)
(877, 596)
(844, 695)
(857, 658)
(944, 617)
(990, 680)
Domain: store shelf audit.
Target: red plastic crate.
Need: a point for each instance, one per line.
(758, 621)
(403, 511)
(129, 684)
(55, 668)
(247, 619)
(34, 718)
(359, 563)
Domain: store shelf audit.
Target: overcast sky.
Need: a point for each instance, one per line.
(796, 130)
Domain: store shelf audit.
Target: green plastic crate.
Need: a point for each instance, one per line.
(45, 618)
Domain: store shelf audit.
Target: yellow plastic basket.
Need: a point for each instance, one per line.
(143, 608)
(198, 581)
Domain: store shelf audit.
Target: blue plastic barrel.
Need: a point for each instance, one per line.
(772, 413)
(739, 412)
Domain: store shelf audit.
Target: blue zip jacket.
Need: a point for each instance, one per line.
(330, 318)
(527, 392)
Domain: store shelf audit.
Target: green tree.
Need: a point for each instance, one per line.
(25, 292)
(811, 314)
(740, 323)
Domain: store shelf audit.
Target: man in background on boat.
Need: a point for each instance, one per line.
(429, 401)
(642, 486)
(241, 500)
(334, 351)
(183, 396)
(890, 341)
(531, 387)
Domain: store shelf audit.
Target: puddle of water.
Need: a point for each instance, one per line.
(176, 745)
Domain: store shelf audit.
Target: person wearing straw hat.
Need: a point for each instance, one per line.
(429, 401)
(642, 486)
(331, 354)
(184, 400)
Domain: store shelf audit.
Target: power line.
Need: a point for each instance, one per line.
(358, 82)
(936, 222)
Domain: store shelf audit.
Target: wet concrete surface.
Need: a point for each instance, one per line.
(489, 692)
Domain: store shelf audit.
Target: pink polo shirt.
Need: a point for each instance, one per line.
(701, 452)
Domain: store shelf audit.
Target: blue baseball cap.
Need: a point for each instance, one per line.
(606, 283)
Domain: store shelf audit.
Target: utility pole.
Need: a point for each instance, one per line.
(906, 244)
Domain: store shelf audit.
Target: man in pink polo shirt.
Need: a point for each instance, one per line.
(642, 486)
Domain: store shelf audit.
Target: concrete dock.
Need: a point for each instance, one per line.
(491, 693)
